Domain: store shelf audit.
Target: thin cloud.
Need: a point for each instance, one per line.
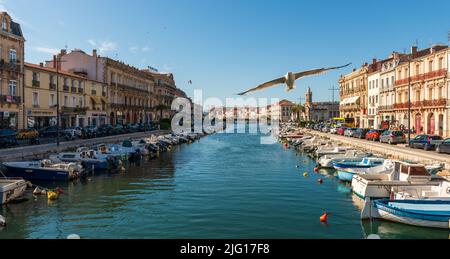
(46, 50)
(103, 46)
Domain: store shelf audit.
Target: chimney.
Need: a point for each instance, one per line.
(63, 52)
(54, 61)
(41, 64)
(414, 51)
(374, 61)
(94, 53)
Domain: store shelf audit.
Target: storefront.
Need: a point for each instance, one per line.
(39, 119)
(97, 118)
(9, 119)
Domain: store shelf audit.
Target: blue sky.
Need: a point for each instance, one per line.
(227, 46)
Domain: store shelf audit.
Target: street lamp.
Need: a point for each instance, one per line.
(58, 113)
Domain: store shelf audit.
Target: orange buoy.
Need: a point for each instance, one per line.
(316, 169)
(324, 218)
(320, 181)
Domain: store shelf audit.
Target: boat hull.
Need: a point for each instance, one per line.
(14, 190)
(33, 174)
(345, 176)
(416, 217)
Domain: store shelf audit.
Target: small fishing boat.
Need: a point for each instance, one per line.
(346, 170)
(89, 159)
(350, 156)
(44, 170)
(422, 213)
(332, 151)
(12, 189)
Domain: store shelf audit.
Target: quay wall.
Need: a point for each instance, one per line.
(398, 152)
(42, 151)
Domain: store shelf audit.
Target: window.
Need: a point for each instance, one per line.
(430, 94)
(441, 63)
(12, 87)
(4, 24)
(35, 99)
(12, 56)
(66, 81)
(417, 69)
(80, 101)
(66, 101)
(74, 101)
(35, 76)
(51, 101)
(430, 66)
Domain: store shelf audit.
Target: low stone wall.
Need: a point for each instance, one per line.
(42, 151)
(399, 152)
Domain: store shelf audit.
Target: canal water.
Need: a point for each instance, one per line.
(224, 186)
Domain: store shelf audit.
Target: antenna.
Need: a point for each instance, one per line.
(333, 89)
(448, 35)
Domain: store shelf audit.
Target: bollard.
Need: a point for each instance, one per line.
(73, 236)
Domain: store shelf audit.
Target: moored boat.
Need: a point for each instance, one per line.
(43, 170)
(12, 189)
(346, 170)
(422, 213)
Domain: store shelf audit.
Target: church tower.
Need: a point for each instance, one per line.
(309, 96)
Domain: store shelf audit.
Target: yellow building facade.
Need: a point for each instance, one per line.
(11, 73)
(81, 100)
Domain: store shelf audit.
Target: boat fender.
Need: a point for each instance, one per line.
(37, 191)
(324, 218)
(2, 221)
(320, 181)
(392, 196)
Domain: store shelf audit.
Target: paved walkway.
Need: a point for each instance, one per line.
(40, 151)
(401, 152)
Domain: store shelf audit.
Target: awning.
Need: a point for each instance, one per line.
(350, 100)
(96, 99)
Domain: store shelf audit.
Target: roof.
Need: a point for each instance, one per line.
(16, 30)
(61, 72)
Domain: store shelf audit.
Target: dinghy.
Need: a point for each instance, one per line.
(346, 170)
(12, 189)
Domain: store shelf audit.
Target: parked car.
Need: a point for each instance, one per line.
(427, 142)
(341, 131)
(8, 138)
(27, 134)
(105, 130)
(333, 130)
(374, 135)
(326, 129)
(393, 137)
(51, 131)
(76, 131)
(119, 129)
(349, 132)
(360, 133)
(444, 147)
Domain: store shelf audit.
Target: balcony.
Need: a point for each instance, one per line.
(422, 104)
(94, 92)
(104, 94)
(74, 110)
(423, 77)
(386, 107)
(66, 88)
(52, 86)
(350, 107)
(73, 89)
(35, 83)
(37, 106)
(10, 99)
(80, 90)
(15, 67)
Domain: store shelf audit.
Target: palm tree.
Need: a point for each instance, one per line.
(298, 108)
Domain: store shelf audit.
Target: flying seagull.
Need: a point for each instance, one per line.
(290, 78)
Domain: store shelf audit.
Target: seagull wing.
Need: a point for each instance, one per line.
(277, 81)
(317, 71)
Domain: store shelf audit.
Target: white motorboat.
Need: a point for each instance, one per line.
(350, 156)
(332, 151)
(12, 189)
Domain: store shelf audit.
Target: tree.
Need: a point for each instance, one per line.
(161, 108)
(298, 108)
